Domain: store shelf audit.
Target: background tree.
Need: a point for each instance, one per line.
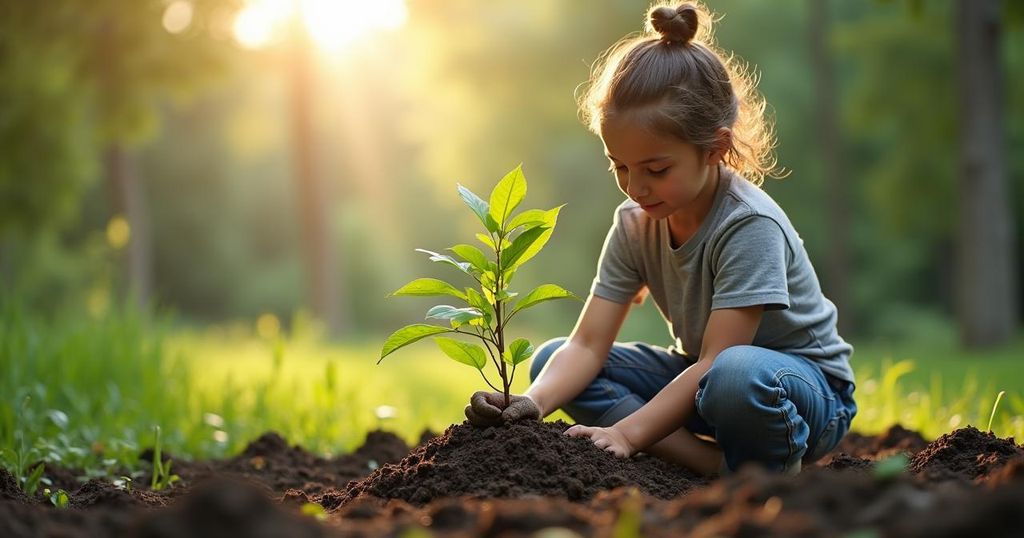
(836, 283)
(987, 273)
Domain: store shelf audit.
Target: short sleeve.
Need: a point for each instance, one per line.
(618, 278)
(750, 266)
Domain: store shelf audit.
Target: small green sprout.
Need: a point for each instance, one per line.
(162, 477)
(994, 407)
(124, 483)
(314, 511)
(511, 240)
(57, 498)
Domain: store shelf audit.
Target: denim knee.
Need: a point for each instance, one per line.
(727, 385)
(543, 353)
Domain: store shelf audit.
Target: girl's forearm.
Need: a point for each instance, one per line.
(569, 370)
(667, 411)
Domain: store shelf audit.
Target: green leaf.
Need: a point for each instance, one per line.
(520, 245)
(407, 335)
(474, 298)
(472, 255)
(536, 246)
(470, 354)
(479, 207)
(429, 286)
(529, 218)
(457, 316)
(486, 239)
(507, 194)
(435, 257)
(58, 417)
(544, 292)
(518, 351)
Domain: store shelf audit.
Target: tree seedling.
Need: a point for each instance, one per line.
(162, 477)
(510, 240)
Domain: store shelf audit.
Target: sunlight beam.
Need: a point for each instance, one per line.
(332, 24)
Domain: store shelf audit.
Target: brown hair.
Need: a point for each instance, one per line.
(690, 87)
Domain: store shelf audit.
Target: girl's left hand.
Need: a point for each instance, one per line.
(609, 439)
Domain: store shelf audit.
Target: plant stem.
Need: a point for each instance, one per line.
(494, 360)
(503, 370)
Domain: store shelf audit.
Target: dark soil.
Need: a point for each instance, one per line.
(520, 460)
(525, 478)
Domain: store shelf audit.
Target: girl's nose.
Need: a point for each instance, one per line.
(636, 190)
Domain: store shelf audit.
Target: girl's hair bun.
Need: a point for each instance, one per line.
(678, 24)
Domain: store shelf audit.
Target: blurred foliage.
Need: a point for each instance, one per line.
(459, 95)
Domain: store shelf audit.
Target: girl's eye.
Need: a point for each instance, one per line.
(658, 172)
(613, 169)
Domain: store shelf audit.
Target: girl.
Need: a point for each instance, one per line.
(758, 372)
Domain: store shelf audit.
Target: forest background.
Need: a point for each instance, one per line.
(210, 161)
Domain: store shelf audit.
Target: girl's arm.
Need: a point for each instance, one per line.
(574, 365)
(674, 405)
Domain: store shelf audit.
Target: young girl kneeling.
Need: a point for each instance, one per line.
(758, 372)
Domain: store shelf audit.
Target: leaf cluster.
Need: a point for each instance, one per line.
(509, 241)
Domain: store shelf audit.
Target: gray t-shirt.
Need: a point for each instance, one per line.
(745, 253)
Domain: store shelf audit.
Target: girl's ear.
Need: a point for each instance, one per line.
(722, 145)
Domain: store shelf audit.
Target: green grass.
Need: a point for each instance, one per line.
(88, 392)
(934, 387)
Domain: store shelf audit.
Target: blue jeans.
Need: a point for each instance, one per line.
(760, 405)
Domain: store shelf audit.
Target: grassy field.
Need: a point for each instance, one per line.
(88, 392)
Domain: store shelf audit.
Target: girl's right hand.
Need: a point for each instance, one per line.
(488, 409)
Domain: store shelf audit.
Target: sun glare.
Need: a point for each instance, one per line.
(332, 24)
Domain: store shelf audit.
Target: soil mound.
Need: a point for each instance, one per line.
(10, 490)
(965, 454)
(281, 467)
(518, 460)
(894, 440)
(97, 492)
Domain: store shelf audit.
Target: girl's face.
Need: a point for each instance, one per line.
(661, 173)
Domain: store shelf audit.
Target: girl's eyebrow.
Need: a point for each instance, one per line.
(645, 161)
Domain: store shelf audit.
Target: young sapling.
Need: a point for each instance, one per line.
(510, 240)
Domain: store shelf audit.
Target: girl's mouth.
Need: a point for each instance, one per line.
(652, 206)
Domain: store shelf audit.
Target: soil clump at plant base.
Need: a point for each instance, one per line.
(521, 459)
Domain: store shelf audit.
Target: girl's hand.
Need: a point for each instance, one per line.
(609, 439)
(488, 409)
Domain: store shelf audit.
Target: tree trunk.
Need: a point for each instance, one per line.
(313, 199)
(836, 283)
(986, 294)
(128, 202)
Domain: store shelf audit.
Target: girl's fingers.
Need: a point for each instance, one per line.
(618, 453)
(578, 431)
